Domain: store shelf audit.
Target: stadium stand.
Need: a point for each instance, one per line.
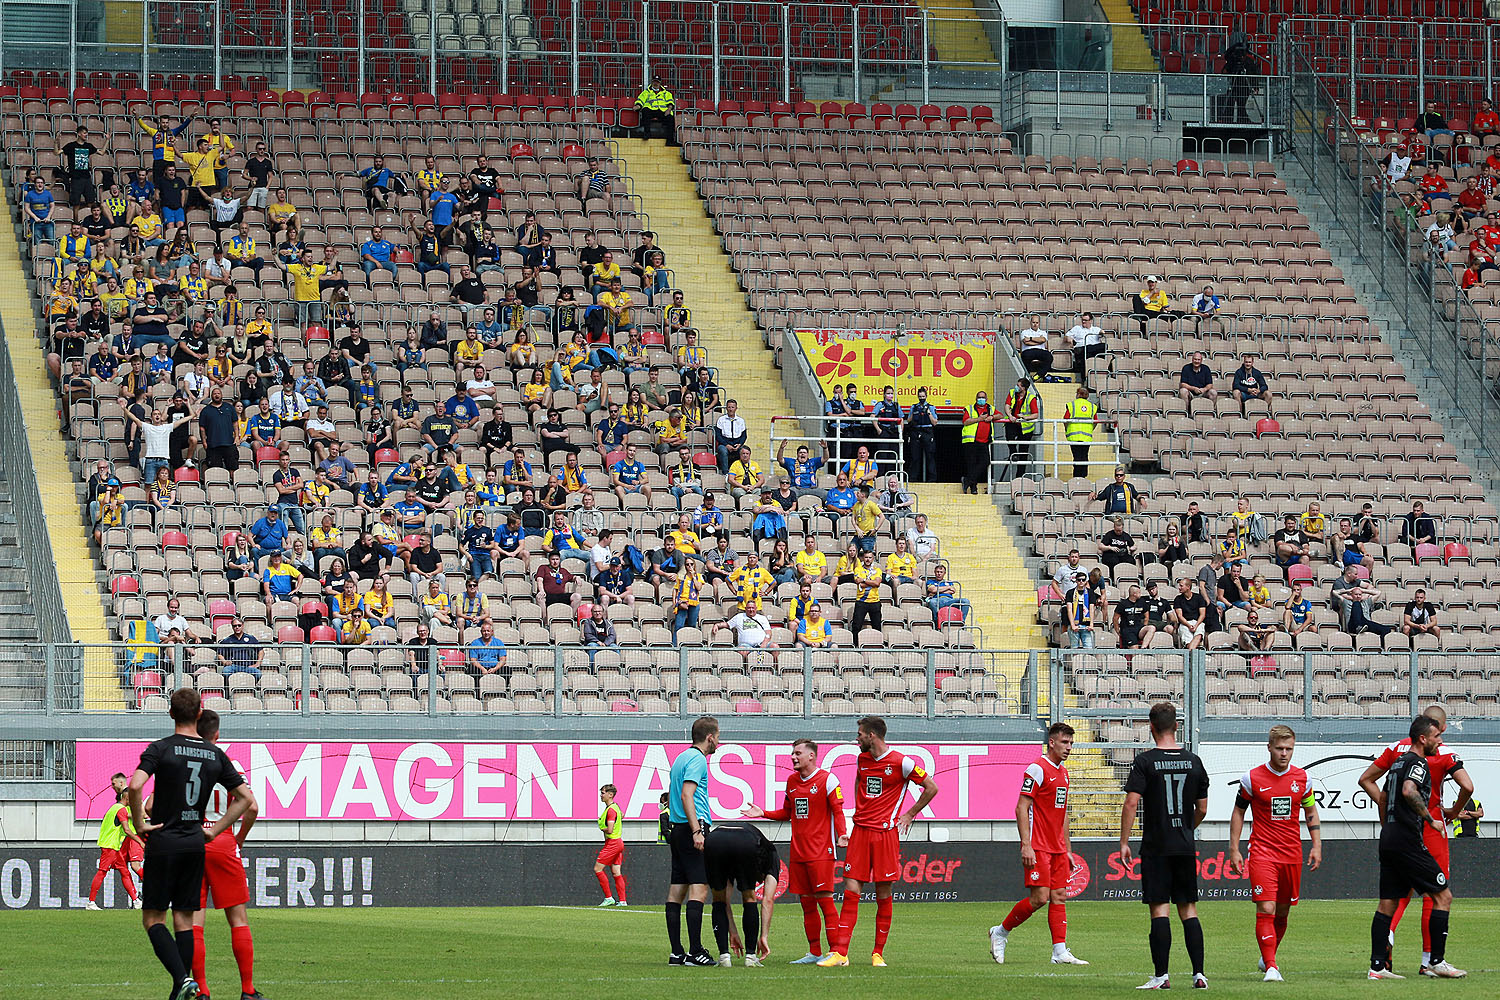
(181, 541)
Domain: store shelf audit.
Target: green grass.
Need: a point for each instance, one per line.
(937, 950)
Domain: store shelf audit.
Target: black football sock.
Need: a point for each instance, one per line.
(1380, 939)
(167, 953)
(185, 946)
(695, 925)
(674, 927)
(1192, 936)
(719, 917)
(1438, 928)
(1161, 944)
(750, 921)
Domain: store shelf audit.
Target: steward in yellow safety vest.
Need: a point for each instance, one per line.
(1022, 416)
(656, 105)
(1078, 427)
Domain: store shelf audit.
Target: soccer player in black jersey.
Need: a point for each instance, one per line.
(738, 856)
(1172, 783)
(1406, 864)
(186, 768)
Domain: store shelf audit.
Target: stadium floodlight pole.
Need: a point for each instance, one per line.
(717, 66)
(218, 45)
(362, 51)
(926, 60)
(786, 53)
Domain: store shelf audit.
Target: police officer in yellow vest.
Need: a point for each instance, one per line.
(657, 106)
(1078, 426)
(1023, 424)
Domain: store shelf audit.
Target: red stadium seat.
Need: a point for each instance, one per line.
(121, 585)
(573, 151)
(1455, 551)
(323, 633)
(453, 658)
(585, 612)
(1267, 425)
(747, 706)
(385, 455)
(228, 539)
(1299, 573)
(186, 475)
(624, 705)
(313, 608)
(174, 540)
(950, 616)
(147, 683)
(1426, 552)
(520, 150)
(289, 633)
(316, 332)
(267, 454)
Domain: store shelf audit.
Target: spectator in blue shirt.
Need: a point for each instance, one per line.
(443, 205)
(487, 653)
(139, 187)
(377, 180)
(609, 433)
(38, 207)
(412, 514)
(516, 474)
(461, 408)
(491, 331)
(1205, 306)
(803, 469)
(840, 500)
(240, 653)
(479, 540)
(629, 476)
(943, 593)
(375, 253)
(510, 538)
(269, 534)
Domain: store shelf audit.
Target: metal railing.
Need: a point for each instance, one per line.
(1049, 453)
(836, 440)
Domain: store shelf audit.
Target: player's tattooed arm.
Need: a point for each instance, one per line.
(1414, 800)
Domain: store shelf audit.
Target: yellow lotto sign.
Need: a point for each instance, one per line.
(953, 366)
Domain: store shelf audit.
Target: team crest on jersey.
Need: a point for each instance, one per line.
(1295, 789)
(887, 772)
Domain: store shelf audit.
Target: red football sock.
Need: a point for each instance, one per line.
(1427, 924)
(129, 883)
(812, 924)
(200, 960)
(883, 909)
(620, 887)
(1057, 919)
(1400, 909)
(848, 917)
(603, 883)
(830, 921)
(1280, 923)
(97, 884)
(1018, 914)
(1265, 936)
(244, 956)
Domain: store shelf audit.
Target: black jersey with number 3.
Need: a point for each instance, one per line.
(186, 769)
(1170, 783)
(1403, 825)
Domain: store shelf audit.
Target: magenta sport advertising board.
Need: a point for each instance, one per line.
(401, 780)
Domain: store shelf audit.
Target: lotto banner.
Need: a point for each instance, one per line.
(953, 366)
(398, 781)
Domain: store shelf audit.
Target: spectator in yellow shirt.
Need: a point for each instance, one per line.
(745, 475)
(867, 580)
(867, 520)
(602, 274)
(751, 582)
(617, 303)
(814, 630)
(812, 565)
(900, 567)
(306, 290)
(203, 165)
(281, 214)
(687, 539)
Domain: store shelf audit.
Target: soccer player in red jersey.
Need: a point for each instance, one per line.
(1046, 849)
(1276, 793)
(875, 845)
(612, 854)
(1442, 765)
(224, 883)
(116, 835)
(814, 803)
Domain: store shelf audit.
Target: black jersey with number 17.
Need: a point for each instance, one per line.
(1170, 783)
(186, 770)
(1403, 824)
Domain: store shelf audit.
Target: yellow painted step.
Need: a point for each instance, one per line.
(1132, 53)
(956, 32)
(75, 564)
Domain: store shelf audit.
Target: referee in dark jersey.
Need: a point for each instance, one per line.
(1406, 865)
(739, 855)
(687, 806)
(186, 768)
(1172, 784)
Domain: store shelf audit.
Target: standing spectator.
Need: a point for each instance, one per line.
(1079, 421)
(1189, 615)
(1249, 383)
(686, 597)
(37, 210)
(1417, 617)
(1122, 497)
(1196, 382)
(1417, 528)
(730, 435)
(1150, 303)
(1036, 350)
(867, 580)
(156, 435)
(1206, 308)
(1086, 341)
(1078, 614)
(77, 159)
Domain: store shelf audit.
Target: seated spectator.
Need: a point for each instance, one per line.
(895, 503)
(745, 475)
(1121, 497)
(1036, 352)
(1150, 303)
(1206, 308)
(1291, 544)
(1196, 382)
(555, 584)
(1254, 635)
(599, 631)
(1297, 617)
(1417, 617)
(1249, 383)
(612, 586)
(1486, 123)
(1434, 189)
(1431, 122)
(1189, 616)
(1132, 625)
(1233, 548)
(1356, 601)
(1170, 550)
(1347, 549)
(751, 628)
(813, 629)
(1417, 528)
(1365, 528)
(486, 655)
(862, 470)
(942, 592)
(1472, 199)
(1086, 341)
(239, 652)
(1232, 591)
(1116, 546)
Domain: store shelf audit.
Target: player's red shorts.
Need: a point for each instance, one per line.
(1437, 846)
(1051, 871)
(224, 882)
(612, 853)
(874, 855)
(133, 851)
(807, 878)
(1275, 881)
(111, 859)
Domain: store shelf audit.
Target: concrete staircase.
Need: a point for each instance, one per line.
(701, 268)
(21, 681)
(957, 33)
(1132, 53)
(1406, 341)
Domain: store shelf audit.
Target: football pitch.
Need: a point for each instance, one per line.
(937, 950)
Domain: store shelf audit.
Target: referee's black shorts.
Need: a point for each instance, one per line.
(172, 880)
(1406, 871)
(688, 867)
(1170, 879)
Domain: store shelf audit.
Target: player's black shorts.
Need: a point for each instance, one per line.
(1405, 871)
(1170, 879)
(740, 856)
(172, 880)
(687, 861)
